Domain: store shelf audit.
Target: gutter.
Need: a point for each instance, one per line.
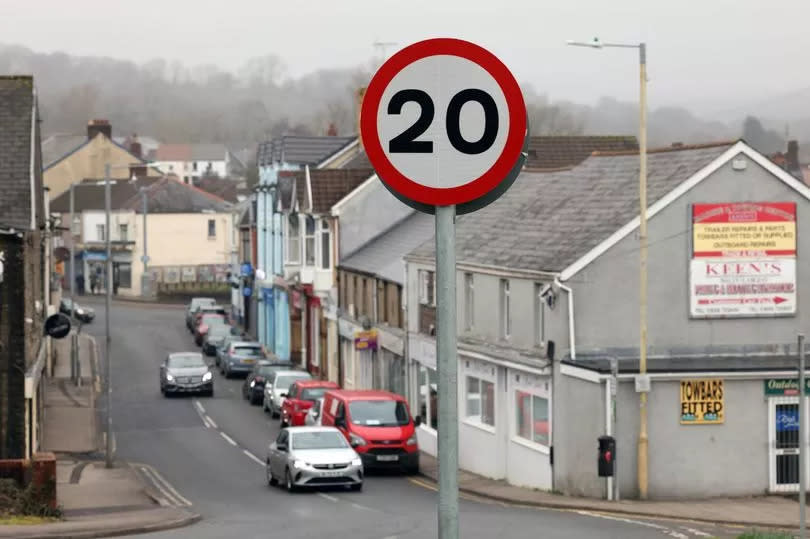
(571, 334)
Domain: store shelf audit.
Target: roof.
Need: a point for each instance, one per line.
(299, 150)
(327, 186)
(366, 394)
(208, 152)
(358, 161)
(552, 152)
(382, 256)
(17, 110)
(55, 147)
(224, 188)
(581, 208)
(89, 195)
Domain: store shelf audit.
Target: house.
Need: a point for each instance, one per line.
(270, 290)
(311, 238)
(549, 295)
(192, 162)
(71, 159)
(190, 236)
(25, 270)
(550, 152)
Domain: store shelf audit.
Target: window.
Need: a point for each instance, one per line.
(185, 179)
(212, 228)
(325, 245)
(503, 314)
(532, 422)
(194, 166)
(427, 287)
(293, 238)
(171, 168)
(77, 225)
(480, 401)
(100, 233)
(469, 306)
(429, 396)
(309, 240)
(539, 313)
(122, 232)
(379, 413)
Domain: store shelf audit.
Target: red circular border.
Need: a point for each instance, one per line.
(476, 188)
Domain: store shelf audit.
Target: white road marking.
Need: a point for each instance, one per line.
(362, 507)
(165, 487)
(227, 438)
(327, 497)
(203, 417)
(211, 422)
(662, 529)
(696, 532)
(253, 457)
(199, 406)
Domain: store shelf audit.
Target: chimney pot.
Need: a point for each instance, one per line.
(94, 127)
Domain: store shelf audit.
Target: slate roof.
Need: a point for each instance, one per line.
(299, 150)
(358, 161)
(548, 220)
(382, 256)
(551, 152)
(17, 102)
(328, 187)
(208, 152)
(89, 195)
(224, 188)
(55, 147)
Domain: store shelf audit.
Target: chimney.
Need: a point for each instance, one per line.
(677, 144)
(94, 127)
(135, 146)
(361, 92)
(332, 131)
(792, 156)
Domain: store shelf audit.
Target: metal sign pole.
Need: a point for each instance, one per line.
(108, 287)
(802, 441)
(447, 364)
(614, 386)
(74, 354)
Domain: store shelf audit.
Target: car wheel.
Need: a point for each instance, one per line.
(412, 469)
(357, 487)
(227, 373)
(271, 480)
(284, 424)
(254, 400)
(273, 412)
(209, 393)
(288, 482)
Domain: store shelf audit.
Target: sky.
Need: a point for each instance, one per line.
(709, 55)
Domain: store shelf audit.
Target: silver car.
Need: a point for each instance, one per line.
(186, 372)
(313, 417)
(240, 357)
(313, 457)
(275, 389)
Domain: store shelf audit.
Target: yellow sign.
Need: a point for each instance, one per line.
(716, 238)
(702, 402)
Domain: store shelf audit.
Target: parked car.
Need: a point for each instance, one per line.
(378, 424)
(304, 457)
(186, 372)
(300, 398)
(240, 357)
(206, 309)
(84, 314)
(205, 322)
(276, 387)
(193, 306)
(214, 337)
(313, 417)
(226, 344)
(253, 388)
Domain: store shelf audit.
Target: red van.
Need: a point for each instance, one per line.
(300, 398)
(378, 425)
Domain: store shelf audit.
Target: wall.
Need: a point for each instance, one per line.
(611, 281)
(371, 210)
(91, 220)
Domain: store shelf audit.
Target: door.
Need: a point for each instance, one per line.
(783, 437)
(279, 458)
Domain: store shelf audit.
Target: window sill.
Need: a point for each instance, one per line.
(528, 444)
(212, 238)
(481, 426)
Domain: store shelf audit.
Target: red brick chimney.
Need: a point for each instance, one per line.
(94, 127)
(792, 156)
(332, 131)
(135, 146)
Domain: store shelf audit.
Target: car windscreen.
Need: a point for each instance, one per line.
(185, 362)
(313, 393)
(379, 413)
(219, 330)
(202, 302)
(66, 303)
(211, 319)
(268, 370)
(318, 440)
(248, 351)
(284, 382)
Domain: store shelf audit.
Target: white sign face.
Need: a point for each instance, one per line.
(425, 107)
(723, 287)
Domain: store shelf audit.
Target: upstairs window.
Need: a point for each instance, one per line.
(123, 232)
(309, 241)
(326, 243)
(212, 229)
(427, 288)
(293, 239)
(100, 233)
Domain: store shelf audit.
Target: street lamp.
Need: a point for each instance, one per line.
(642, 191)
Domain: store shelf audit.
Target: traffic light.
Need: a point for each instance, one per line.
(607, 456)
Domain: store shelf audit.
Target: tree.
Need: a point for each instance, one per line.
(763, 140)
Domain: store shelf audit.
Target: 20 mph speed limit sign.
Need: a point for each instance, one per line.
(443, 122)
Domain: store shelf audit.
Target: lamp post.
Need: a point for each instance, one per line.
(642, 192)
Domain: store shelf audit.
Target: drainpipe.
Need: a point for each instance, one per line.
(571, 340)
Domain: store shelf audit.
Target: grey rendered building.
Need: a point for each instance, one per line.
(548, 292)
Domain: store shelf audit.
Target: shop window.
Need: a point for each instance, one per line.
(480, 397)
(427, 287)
(293, 239)
(532, 421)
(309, 241)
(429, 396)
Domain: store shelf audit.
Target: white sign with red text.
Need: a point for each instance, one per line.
(726, 287)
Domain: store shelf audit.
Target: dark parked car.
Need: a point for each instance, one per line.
(194, 306)
(215, 336)
(83, 314)
(186, 372)
(253, 388)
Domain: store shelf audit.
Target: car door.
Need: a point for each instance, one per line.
(292, 392)
(278, 462)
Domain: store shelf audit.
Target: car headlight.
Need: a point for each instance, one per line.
(252, 383)
(412, 440)
(80, 311)
(169, 377)
(356, 440)
(357, 462)
(299, 464)
(207, 376)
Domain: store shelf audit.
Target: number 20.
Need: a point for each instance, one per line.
(406, 141)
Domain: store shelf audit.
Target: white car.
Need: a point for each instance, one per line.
(313, 417)
(275, 389)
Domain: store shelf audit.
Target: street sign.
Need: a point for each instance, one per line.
(145, 259)
(57, 326)
(443, 123)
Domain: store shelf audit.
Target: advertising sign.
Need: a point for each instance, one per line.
(365, 340)
(745, 229)
(742, 287)
(702, 402)
(785, 386)
(787, 419)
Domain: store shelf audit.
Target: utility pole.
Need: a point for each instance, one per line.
(109, 455)
(145, 281)
(643, 442)
(74, 337)
(802, 441)
(614, 387)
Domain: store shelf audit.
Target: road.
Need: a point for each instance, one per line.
(209, 452)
